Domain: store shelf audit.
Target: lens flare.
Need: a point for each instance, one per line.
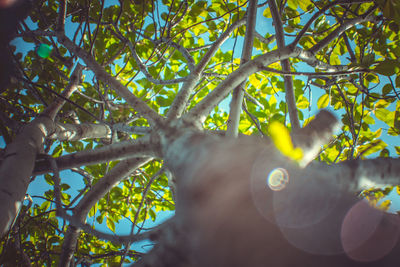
(43, 50)
(278, 179)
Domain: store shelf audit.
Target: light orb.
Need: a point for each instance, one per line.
(43, 50)
(277, 179)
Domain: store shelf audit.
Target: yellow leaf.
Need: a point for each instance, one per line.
(385, 205)
(281, 138)
(267, 13)
(302, 102)
(323, 101)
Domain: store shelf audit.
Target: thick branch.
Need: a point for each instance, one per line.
(263, 39)
(139, 130)
(140, 64)
(76, 132)
(58, 103)
(288, 80)
(320, 12)
(61, 16)
(358, 175)
(122, 170)
(141, 107)
(183, 95)
(185, 52)
(317, 74)
(314, 135)
(118, 151)
(368, 16)
(238, 92)
(14, 176)
(205, 106)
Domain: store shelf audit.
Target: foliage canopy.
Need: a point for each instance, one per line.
(156, 48)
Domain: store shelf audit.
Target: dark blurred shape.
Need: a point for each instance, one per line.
(6, 3)
(11, 13)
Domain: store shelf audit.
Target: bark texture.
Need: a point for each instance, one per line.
(17, 167)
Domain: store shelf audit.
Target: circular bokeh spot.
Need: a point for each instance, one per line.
(277, 179)
(369, 234)
(43, 50)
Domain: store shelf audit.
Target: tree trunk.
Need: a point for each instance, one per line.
(17, 166)
(232, 217)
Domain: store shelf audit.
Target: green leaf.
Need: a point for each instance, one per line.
(323, 101)
(387, 88)
(100, 218)
(385, 115)
(372, 147)
(302, 102)
(45, 205)
(152, 215)
(57, 151)
(388, 67)
(163, 102)
(65, 187)
(368, 119)
(93, 210)
(110, 224)
(396, 123)
(397, 81)
(384, 153)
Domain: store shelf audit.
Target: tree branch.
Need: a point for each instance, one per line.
(127, 149)
(309, 58)
(141, 107)
(316, 74)
(314, 135)
(61, 16)
(288, 80)
(183, 95)
(139, 130)
(368, 16)
(205, 106)
(185, 52)
(58, 103)
(238, 92)
(319, 13)
(14, 177)
(122, 170)
(263, 39)
(76, 132)
(140, 64)
(358, 175)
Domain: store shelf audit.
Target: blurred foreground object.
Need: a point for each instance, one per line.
(11, 13)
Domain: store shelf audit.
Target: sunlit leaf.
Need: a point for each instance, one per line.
(283, 142)
(385, 205)
(110, 224)
(323, 101)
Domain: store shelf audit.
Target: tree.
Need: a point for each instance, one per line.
(133, 96)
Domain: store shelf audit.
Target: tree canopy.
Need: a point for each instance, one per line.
(111, 89)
